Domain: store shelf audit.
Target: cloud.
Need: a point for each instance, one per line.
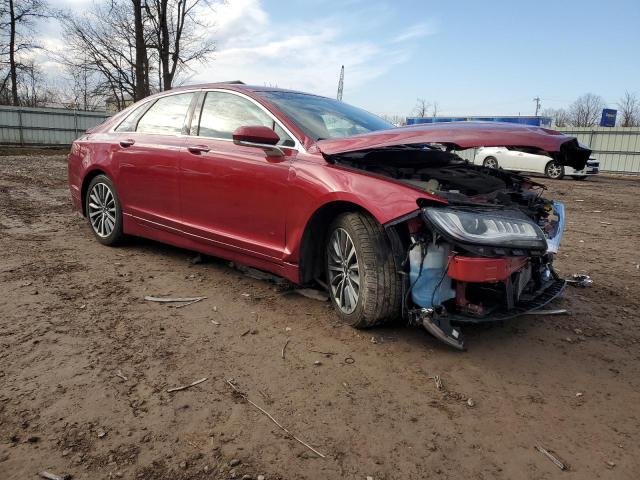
(304, 55)
(415, 31)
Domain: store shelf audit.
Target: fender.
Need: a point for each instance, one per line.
(316, 184)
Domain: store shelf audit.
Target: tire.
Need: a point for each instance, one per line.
(491, 162)
(104, 214)
(579, 177)
(379, 293)
(554, 171)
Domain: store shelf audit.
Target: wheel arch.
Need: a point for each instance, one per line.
(311, 264)
(85, 186)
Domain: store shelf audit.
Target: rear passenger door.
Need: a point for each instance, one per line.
(233, 196)
(146, 153)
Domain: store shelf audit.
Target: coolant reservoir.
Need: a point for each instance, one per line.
(425, 283)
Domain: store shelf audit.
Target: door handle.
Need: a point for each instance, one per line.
(127, 143)
(198, 149)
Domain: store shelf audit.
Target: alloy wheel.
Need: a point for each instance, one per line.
(102, 210)
(554, 170)
(344, 272)
(491, 163)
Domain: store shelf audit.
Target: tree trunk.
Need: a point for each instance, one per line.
(142, 81)
(12, 55)
(167, 77)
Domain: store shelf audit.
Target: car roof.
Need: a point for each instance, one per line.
(239, 86)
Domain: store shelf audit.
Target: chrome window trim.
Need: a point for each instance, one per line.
(297, 143)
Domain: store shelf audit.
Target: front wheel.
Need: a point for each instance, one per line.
(554, 170)
(103, 210)
(364, 285)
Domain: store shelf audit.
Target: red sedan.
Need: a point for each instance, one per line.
(391, 221)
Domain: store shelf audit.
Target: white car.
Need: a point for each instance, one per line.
(515, 160)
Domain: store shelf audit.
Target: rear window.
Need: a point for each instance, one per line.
(167, 115)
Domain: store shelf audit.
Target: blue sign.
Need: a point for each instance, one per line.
(608, 117)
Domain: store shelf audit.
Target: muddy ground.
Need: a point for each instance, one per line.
(85, 362)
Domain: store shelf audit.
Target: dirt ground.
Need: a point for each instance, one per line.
(85, 362)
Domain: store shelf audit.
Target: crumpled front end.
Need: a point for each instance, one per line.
(474, 265)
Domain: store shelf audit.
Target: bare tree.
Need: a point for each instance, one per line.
(104, 41)
(434, 107)
(180, 37)
(16, 27)
(141, 86)
(79, 86)
(586, 110)
(33, 89)
(560, 116)
(422, 108)
(629, 109)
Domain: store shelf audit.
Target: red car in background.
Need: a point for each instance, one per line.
(391, 221)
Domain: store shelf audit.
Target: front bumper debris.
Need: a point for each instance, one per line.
(552, 291)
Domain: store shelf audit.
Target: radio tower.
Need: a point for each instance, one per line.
(341, 84)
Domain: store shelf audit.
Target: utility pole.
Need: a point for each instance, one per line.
(537, 100)
(341, 84)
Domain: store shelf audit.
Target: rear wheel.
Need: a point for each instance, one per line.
(364, 285)
(554, 170)
(103, 211)
(490, 162)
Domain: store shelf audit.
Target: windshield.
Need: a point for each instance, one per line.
(321, 117)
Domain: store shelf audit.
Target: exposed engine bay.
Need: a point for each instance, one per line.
(485, 255)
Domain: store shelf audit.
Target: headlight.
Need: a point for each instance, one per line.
(487, 228)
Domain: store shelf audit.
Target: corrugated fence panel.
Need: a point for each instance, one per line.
(617, 149)
(45, 126)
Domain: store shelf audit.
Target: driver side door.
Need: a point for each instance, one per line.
(234, 197)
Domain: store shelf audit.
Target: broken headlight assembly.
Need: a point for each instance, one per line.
(486, 228)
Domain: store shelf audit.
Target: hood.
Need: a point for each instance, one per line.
(462, 135)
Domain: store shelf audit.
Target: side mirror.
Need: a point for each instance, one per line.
(259, 137)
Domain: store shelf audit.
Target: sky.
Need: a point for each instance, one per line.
(472, 57)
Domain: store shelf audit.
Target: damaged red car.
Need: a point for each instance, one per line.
(391, 221)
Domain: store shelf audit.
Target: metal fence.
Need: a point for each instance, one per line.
(617, 148)
(45, 126)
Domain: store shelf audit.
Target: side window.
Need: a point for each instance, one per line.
(167, 115)
(223, 112)
(129, 123)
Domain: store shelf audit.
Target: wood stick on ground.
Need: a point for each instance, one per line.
(244, 395)
(323, 353)
(551, 457)
(173, 299)
(558, 311)
(53, 476)
(121, 375)
(184, 387)
(188, 303)
(285, 347)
